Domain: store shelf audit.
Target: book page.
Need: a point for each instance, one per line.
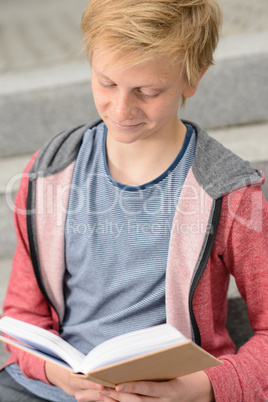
(166, 364)
(132, 344)
(42, 355)
(42, 340)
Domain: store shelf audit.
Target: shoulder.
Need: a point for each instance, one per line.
(218, 170)
(61, 150)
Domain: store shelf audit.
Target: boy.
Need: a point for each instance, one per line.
(147, 216)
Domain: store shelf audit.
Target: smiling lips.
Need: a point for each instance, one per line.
(126, 127)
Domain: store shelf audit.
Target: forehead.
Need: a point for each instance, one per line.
(111, 64)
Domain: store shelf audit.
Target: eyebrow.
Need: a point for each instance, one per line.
(155, 86)
(102, 75)
(104, 78)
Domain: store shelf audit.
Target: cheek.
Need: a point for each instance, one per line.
(163, 109)
(100, 99)
(173, 102)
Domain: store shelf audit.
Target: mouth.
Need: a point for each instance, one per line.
(126, 127)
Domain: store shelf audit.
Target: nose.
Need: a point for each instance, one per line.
(125, 107)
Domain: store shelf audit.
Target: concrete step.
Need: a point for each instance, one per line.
(45, 79)
(34, 105)
(250, 142)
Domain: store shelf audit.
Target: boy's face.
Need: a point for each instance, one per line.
(138, 101)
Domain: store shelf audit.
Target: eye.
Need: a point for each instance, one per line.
(107, 84)
(147, 95)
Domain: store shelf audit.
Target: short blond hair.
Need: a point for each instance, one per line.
(179, 30)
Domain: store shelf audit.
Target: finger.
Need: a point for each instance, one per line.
(83, 383)
(87, 395)
(94, 385)
(146, 388)
(125, 397)
(110, 394)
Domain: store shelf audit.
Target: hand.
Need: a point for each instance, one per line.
(191, 388)
(82, 390)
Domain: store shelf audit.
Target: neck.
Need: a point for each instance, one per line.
(144, 160)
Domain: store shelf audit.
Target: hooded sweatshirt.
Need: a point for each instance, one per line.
(223, 205)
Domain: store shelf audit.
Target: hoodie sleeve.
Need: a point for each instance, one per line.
(244, 376)
(24, 300)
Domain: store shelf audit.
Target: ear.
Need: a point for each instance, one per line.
(189, 91)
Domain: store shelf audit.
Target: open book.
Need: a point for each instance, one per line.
(156, 353)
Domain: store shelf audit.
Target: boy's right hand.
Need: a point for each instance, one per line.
(82, 390)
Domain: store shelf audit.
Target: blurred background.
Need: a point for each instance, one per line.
(45, 88)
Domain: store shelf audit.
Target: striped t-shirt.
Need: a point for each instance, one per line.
(117, 240)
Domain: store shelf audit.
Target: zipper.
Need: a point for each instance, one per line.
(202, 265)
(31, 230)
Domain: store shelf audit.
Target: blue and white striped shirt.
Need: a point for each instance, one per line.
(117, 240)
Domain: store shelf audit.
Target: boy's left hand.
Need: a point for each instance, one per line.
(193, 387)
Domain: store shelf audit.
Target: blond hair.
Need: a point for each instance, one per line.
(179, 30)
